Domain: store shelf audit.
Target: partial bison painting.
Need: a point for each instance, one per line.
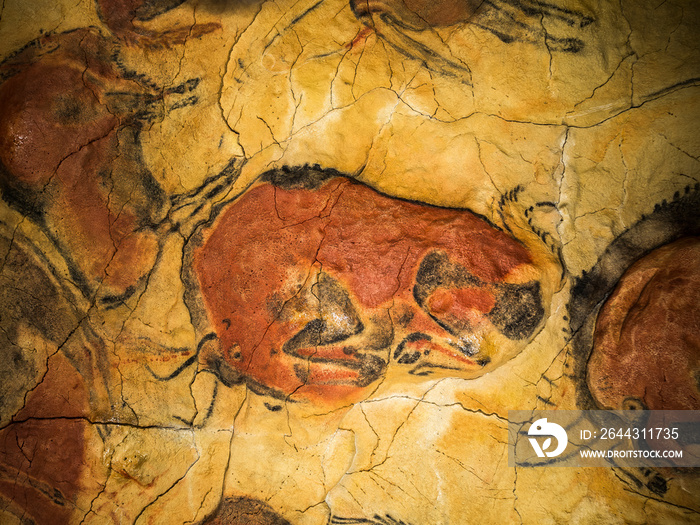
(646, 350)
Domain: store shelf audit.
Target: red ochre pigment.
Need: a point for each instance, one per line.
(268, 247)
(647, 336)
(43, 462)
(59, 140)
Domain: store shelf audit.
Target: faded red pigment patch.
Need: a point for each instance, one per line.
(44, 461)
(58, 145)
(49, 114)
(647, 338)
(61, 393)
(45, 456)
(81, 207)
(260, 253)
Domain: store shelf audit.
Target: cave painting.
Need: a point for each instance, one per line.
(126, 18)
(401, 22)
(72, 162)
(313, 291)
(646, 349)
(71, 116)
(293, 262)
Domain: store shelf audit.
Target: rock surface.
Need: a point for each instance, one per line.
(282, 262)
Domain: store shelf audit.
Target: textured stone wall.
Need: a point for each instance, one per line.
(278, 262)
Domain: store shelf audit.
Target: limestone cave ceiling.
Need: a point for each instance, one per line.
(292, 262)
